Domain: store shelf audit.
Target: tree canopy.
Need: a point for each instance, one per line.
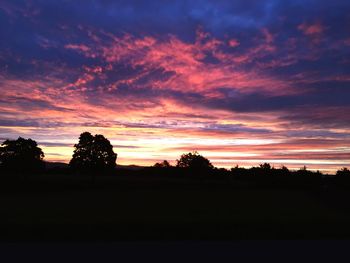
(21, 155)
(93, 154)
(194, 160)
(265, 166)
(163, 164)
(343, 172)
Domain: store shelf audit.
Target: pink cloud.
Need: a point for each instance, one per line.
(185, 60)
(80, 47)
(87, 51)
(269, 38)
(233, 43)
(152, 125)
(347, 42)
(312, 29)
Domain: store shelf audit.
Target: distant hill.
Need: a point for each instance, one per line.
(52, 165)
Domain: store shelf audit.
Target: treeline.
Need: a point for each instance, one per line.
(94, 155)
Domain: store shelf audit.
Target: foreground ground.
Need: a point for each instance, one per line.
(140, 207)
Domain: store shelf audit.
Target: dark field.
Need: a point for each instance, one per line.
(137, 206)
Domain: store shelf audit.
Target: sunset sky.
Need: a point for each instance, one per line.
(241, 82)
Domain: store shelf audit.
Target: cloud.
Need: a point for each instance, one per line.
(312, 29)
(233, 43)
(30, 104)
(191, 74)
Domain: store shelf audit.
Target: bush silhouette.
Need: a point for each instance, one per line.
(195, 161)
(343, 172)
(164, 164)
(21, 156)
(93, 154)
(265, 166)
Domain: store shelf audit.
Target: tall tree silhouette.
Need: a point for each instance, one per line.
(194, 160)
(21, 156)
(93, 154)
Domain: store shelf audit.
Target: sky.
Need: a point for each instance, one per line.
(242, 82)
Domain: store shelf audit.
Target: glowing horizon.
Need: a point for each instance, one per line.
(242, 83)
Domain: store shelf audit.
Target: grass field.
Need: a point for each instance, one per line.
(136, 207)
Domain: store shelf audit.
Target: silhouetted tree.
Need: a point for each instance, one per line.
(193, 160)
(284, 169)
(164, 164)
(265, 166)
(304, 168)
(21, 156)
(93, 154)
(304, 171)
(343, 172)
(239, 171)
